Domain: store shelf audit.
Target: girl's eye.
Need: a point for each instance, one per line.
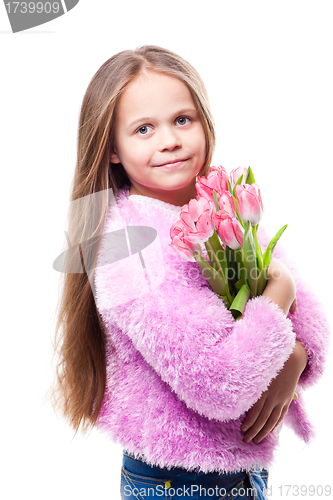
(183, 120)
(144, 130)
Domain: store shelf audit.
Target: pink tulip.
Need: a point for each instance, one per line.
(217, 179)
(180, 243)
(226, 203)
(249, 203)
(197, 217)
(235, 175)
(229, 229)
(218, 168)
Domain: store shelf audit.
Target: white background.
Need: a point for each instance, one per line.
(268, 70)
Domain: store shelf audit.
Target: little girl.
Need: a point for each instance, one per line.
(148, 352)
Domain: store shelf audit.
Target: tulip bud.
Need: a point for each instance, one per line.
(249, 203)
(180, 243)
(235, 175)
(229, 230)
(216, 180)
(226, 203)
(197, 218)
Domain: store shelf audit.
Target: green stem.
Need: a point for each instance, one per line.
(241, 267)
(218, 258)
(233, 269)
(258, 248)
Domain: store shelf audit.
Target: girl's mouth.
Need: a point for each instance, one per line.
(172, 164)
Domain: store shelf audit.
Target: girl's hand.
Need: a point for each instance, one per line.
(268, 412)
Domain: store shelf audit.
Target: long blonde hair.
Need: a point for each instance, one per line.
(80, 337)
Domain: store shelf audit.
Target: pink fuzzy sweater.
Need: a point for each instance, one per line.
(181, 372)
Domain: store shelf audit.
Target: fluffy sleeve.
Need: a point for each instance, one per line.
(217, 366)
(309, 321)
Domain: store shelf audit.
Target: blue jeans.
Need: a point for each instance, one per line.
(141, 481)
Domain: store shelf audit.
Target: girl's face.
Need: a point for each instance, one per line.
(159, 138)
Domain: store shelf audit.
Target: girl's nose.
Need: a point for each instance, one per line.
(169, 140)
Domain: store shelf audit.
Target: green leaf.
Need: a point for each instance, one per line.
(216, 254)
(218, 259)
(214, 278)
(258, 247)
(216, 201)
(238, 305)
(237, 213)
(238, 284)
(235, 200)
(233, 268)
(250, 259)
(250, 177)
(237, 183)
(262, 281)
(267, 257)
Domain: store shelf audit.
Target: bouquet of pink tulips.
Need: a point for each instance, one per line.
(225, 217)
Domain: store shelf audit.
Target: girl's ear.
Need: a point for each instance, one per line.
(114, 158)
